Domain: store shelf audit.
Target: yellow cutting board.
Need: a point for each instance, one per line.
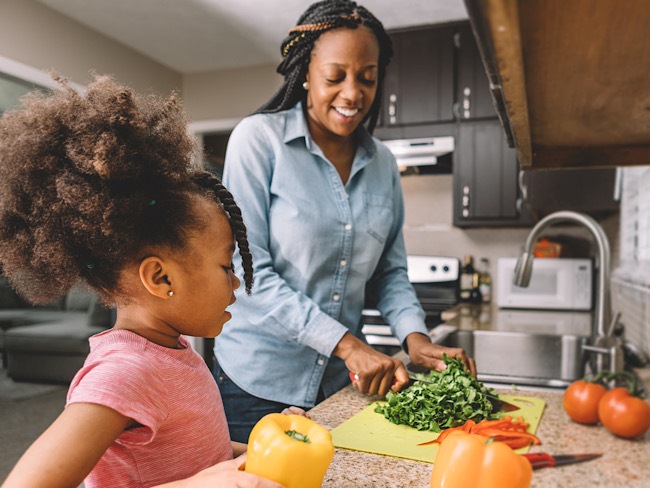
(369, 431)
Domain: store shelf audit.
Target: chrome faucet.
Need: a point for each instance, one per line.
(603, 342)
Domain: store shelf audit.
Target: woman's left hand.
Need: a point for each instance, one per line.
(427, 355)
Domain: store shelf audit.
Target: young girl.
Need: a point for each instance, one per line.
(102, 188)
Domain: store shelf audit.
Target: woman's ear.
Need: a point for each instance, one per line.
(154, 275)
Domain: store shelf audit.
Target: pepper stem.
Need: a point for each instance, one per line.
(294, 434)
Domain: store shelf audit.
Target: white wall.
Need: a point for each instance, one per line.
(228, 94)
(35, 35)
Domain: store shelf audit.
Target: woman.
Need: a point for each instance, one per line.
(323, 204)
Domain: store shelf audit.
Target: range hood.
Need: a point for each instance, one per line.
(425, 151)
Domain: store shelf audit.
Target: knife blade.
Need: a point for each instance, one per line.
(497, 403)
(540, 460)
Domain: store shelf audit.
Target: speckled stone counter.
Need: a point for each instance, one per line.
(625, 463)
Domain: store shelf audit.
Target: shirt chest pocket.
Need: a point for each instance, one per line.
(379, 215)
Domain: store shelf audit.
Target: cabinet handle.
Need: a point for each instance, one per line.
(392, 109)
(467, 102)
(523, 188)
(465, 201)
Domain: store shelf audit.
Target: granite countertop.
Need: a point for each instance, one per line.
(624, 463)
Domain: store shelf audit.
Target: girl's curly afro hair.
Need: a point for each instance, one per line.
(89, 182)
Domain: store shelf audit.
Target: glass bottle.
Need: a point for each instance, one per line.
(485, 280)
(467, 278)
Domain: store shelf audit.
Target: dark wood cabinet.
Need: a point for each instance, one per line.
(436, 85)
(436, 76)
(473, 97)
(419, 84)
(486, 191)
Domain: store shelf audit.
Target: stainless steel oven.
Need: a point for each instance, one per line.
(436, 280)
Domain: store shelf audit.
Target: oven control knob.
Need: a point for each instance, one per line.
(434, 268)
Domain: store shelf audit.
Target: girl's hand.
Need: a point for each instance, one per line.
(427, 355)
(228, 474)
(295, 411)
(376, 372)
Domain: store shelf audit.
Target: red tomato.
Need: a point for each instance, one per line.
(581, 399)
(623, 414)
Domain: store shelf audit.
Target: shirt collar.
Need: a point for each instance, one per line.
(296, 127)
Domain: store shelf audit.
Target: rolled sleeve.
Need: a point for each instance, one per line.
(408, 325)
(322, 334)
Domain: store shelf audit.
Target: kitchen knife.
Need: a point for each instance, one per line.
(545, 460)
(497, 403)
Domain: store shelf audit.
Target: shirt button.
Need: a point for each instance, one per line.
(348, 226)
(343, 263)
(336, 297)
(320, 361)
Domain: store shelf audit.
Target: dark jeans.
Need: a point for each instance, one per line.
(242, 409)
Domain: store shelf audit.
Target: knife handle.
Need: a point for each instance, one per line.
(540, 459)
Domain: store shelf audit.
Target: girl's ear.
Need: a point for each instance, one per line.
(154, 276)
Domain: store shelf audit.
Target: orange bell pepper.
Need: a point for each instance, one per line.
(473, 461)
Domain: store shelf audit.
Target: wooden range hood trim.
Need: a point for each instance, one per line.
(500, 34)
(567, 82)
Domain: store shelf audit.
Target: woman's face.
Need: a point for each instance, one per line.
(343, 77)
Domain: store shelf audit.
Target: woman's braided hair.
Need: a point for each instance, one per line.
(296, 50)
(90, 183)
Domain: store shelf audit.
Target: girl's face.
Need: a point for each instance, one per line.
(342, 76)
(206, 281)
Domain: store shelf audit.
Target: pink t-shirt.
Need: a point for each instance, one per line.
(170, 392)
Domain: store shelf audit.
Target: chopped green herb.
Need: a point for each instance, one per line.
(452, 397)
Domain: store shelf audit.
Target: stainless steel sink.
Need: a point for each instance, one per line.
(520, 358)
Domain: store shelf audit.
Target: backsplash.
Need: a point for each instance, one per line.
(633, 301)
(631, 278)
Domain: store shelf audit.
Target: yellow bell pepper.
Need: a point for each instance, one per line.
(290, 449)
(471, 461)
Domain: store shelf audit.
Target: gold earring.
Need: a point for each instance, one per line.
(305, 85)
(170, 293)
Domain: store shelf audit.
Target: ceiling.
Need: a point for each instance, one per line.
(191, 36)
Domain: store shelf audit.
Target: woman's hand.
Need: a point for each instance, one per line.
(427, 355)
(377, 373)
(228, 474)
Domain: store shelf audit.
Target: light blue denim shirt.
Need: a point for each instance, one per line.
(316, 244)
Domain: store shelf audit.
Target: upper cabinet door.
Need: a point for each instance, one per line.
(473, 97)
(485, 178)
(419, 85)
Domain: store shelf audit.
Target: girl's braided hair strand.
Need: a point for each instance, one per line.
(222, 196)
(296, 50)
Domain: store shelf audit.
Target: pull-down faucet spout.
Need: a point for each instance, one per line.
(524, 266)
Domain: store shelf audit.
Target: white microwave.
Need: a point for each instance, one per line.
(555, 284)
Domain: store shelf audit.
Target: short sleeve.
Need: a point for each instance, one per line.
(132, 386)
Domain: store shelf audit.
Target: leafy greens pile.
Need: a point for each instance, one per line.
(453, 397)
